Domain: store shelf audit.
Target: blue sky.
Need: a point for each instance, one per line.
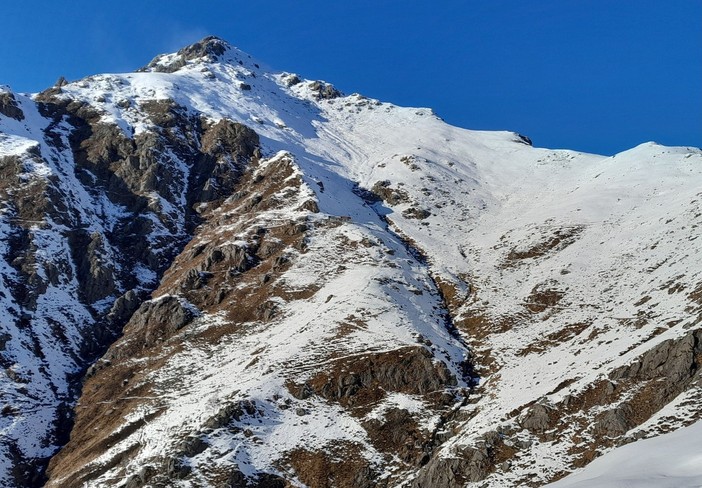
(593, 75)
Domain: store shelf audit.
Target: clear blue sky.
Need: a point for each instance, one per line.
(592, 75)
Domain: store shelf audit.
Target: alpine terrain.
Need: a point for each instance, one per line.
(215, 274)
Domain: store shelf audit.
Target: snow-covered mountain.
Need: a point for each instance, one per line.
(213, 273)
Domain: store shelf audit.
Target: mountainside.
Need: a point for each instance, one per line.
(216, 274)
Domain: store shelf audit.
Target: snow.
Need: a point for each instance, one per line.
(634, 219)
(671, 460)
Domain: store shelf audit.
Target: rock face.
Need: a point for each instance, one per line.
(9, 108)
(93, 219)
(216, 275)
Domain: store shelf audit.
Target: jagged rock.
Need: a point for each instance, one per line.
(263, 480)
(524, 139)
(123, 308)
(295, 228)
(398, 433)
(231, 412)
(232, 256)
(324, 91)
(391, 196)
(416, 213)
(141, 479)
(537, 419)
(310, 205)
(209, 48)
(92, 209)
(266, 311)
(229, 146)
(672, 359)
(177, 468)
(230, 139)
(160, 318)
(192, 446)
(94, 271)
(470, 465)
(292, 80)
(356, 382)
(9, 106)
(614, 422)
(165, 113)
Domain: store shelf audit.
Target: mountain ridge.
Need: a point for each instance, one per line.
(261, 210)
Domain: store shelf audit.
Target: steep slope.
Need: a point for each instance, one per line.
(345, 292)
(91, 218)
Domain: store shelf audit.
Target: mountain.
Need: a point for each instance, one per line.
(213, 273)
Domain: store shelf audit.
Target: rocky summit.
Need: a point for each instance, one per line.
(215, 274)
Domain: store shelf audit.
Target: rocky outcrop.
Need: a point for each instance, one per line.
(9, 106)
(677, 360)
(340, 466)
(161, 318)
(210, 48)
(110, 245)
(362, 381)
(605, 413)
(203, 279)
(324, 91)
(388, 194)
(468, 464)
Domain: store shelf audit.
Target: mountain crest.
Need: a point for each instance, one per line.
(210, 49)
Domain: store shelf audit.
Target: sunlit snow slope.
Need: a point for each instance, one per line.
(669, 461)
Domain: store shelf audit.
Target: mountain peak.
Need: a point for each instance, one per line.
(210, 46)
(209, 49)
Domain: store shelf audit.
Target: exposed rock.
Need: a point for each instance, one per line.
(263, 480)
(209, 46)
(416, 213)
(324, 91)
(524, 139)
(614, 422)
(469, 465)
(9, 106)
(544, 296)
(230, 413)
(123, 308)
(292, 80)
(360, 381)
(181, 206)
(177, 468)
(210, 49)
(398, 434)
(159, 319)
(338, 466)
(93, 268)
(391, 196)
(673, 359)
(537, 419)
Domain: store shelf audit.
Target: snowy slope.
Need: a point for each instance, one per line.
(559, 269)
(669, 461)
